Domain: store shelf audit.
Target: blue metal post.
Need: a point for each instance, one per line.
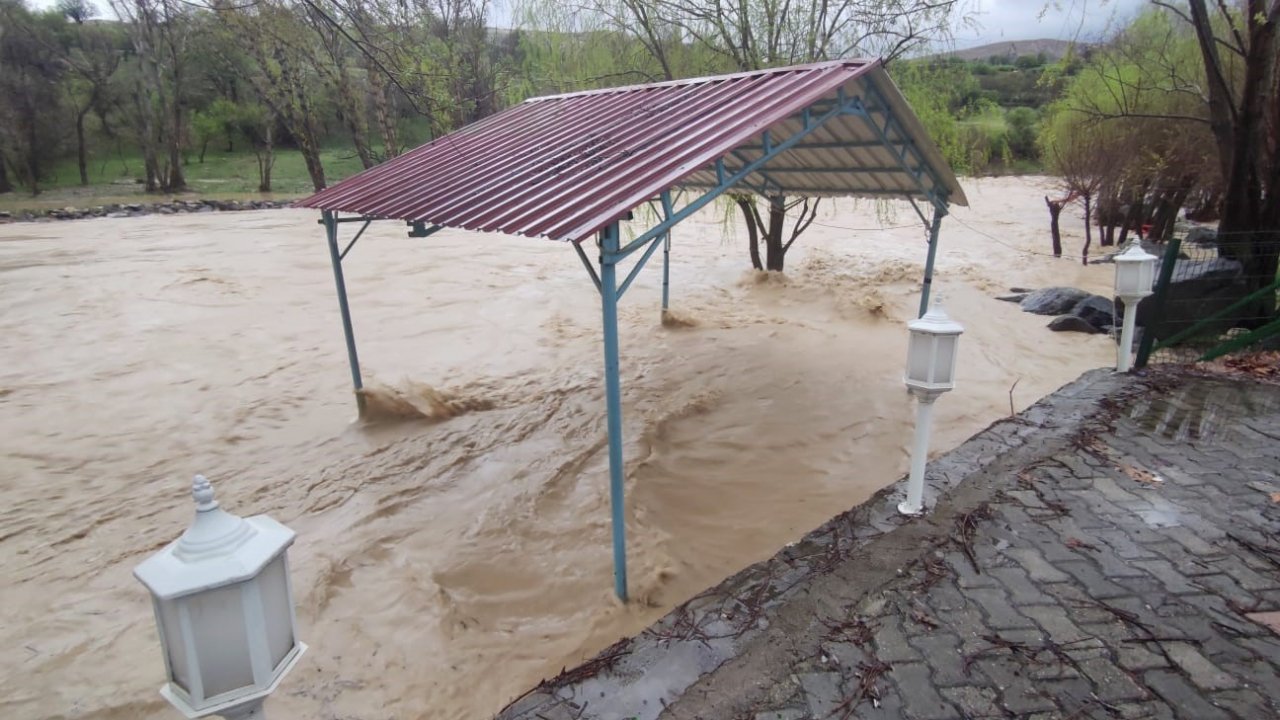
(666, 251)
(331, 231)
(666, 271)
(609, 245)
(938, 212)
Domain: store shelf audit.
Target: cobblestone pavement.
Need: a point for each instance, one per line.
(1107, 555)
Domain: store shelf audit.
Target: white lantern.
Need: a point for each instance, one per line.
(1135, 272)
(931, 356)
(931, 371)
(224, 609)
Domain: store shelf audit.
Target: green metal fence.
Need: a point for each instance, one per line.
(1205, 306)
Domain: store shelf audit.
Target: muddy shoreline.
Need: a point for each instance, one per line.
(123, 210)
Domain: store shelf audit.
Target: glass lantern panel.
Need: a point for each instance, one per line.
(1127, 280)
(946, 360)
(174, 646)
(918, 355)
(277, 610)
(221, 639)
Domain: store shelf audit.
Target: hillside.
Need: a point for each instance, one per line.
(1053, 49)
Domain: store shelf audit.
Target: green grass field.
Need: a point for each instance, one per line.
(113, 178)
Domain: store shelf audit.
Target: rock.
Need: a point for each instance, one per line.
(117, 214)
(1072, 323)
(1053, 301)
(1096, 310)
(1022, 291)
(1013, 298)
(133, 207)
(1202, 235)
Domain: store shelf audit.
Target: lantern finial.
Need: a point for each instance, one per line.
(202, 491)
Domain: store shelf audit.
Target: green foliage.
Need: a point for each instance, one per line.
(1023, 130)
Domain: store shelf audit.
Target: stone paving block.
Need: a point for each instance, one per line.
(1154, 710)
(974, 701)
(1054, 620)
(999, 613)
(1198, 668)
(1018, 692)
(1246, 577)
(942, 652)
(1095, 585)
(922, 701)
(823, 692)
(1194, 542)
(1246, 703)
(891, 643)
(1111, 683)
(1174, 582)
(1177, 692)
(1019, 586)
(965, 577)
(788, 714)
(1037, 566)
(1112, 491)
(1223, 585)
(1125, 543)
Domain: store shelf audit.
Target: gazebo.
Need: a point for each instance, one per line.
(571, 167)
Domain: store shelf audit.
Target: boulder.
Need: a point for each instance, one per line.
(1053, 301)
(1096, 310)
(1072, 323)
(1202, 235)
(1013, 298)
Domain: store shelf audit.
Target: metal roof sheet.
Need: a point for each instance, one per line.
(565, 166)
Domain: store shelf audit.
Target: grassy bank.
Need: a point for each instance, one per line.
(113, 178)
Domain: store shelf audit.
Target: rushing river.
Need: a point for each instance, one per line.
(457, 552)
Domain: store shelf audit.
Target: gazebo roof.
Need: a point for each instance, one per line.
(566, 166)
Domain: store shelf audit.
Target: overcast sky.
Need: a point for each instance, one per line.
(1084, 20)
(999, 20)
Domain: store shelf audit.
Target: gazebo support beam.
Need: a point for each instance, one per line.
(331, 221)
(609, 241)
(927, 286)
(666, 252)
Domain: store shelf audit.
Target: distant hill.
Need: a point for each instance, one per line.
(1053, 49)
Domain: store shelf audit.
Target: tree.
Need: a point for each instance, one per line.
(31, 108)
(1227, 85)
(159, 31)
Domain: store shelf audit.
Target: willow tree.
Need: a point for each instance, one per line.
(1111, 139)
(1234, 92)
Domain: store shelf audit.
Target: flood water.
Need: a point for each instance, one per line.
(446, 563)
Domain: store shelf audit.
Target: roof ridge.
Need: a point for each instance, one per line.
(821, 65)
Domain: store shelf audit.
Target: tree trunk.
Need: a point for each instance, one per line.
(266, 158)
(81, 162)
(1055, 209)
(775, 254)
(747, 207)
(1088, 228)
(177, 182)
(382, 113)
(5, 184)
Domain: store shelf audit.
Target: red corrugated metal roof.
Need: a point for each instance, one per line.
(566, 166)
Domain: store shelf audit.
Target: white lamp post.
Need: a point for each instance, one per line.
(1135, 271)
(931, 371)
(224, 609)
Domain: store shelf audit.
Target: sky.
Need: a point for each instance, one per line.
(1084, 20)
(998, 20)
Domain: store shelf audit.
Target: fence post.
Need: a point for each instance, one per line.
(1158, 300)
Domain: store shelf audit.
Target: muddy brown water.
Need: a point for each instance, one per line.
(446, 563)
